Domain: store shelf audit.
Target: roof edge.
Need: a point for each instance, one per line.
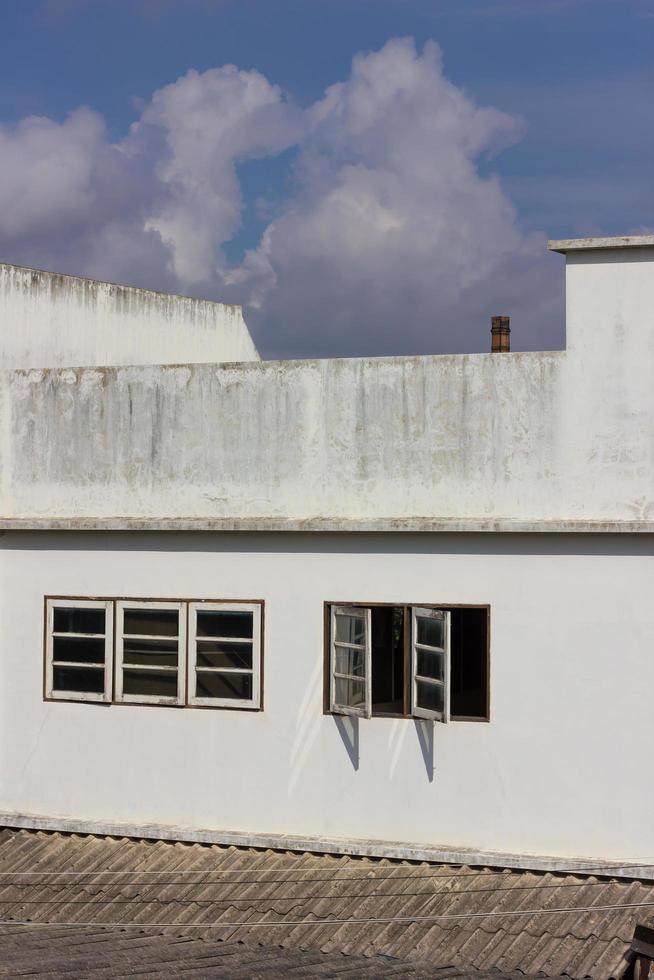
(120, 285)
(564, 245)
(417, 524)
(391, 850)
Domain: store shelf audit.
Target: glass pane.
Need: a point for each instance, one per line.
(79, 650)
(78, 620)
(350, 661)
(350, 693)
(350, 629)
(222, 623)
(150, 683)
(237, 686)
(430, 664)
(83, 680)
(154, 653)
(429, 696)
(431, 632)
(217, 653)
(157, 622)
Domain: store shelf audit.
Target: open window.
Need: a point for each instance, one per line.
(350, 661)
(79, 646)
(150, 652)
(430, 663)
(401, 661)
(225, 654)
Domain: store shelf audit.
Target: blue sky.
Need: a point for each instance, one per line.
(568, 152)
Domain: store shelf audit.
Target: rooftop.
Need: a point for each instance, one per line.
(564, 245)
(75, 895)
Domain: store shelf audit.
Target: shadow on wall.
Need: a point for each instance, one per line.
(425, 733)
(348, 728)
(261, 542)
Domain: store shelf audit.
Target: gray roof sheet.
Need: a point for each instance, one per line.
(115, 895)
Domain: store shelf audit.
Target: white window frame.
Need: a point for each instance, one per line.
(50, 693)
(359, 612)
(180, 699)
(253, 703)
(424, 612)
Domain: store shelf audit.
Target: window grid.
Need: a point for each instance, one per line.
(115, 637)
(54, 663)
(218, 671)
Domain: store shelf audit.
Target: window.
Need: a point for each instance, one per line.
(224, 654)
(400, 661)
(138, 651)
(79, 644)
(150, 652)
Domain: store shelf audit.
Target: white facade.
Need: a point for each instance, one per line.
(541, 442)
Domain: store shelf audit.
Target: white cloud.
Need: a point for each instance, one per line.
(391, 241)
(394, 241)
(210, 121)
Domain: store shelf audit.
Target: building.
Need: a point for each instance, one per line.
(398, 608)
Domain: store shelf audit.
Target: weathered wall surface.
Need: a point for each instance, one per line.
(558, 770)
(50, 320)
(547, 439)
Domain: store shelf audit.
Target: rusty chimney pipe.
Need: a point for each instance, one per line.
(500, 334)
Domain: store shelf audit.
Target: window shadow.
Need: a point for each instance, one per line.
(348, 729)
(425, 733)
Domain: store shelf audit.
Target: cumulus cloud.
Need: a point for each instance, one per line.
(395, 236)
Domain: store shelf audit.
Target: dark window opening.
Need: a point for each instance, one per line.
(387, 655)
(468, 664)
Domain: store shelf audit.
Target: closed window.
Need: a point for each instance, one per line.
(79, 647)
(150, 652)
(225, 654)
(141, 651)
(401, 661)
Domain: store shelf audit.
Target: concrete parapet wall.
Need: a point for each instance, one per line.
(531, 438)
(51, 320)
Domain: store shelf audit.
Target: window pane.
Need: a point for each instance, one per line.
(429, 696)
(83, 680)
(154, 653)
(150, 683)
(236, 686)
(217, 653)
(222, 623)
(430, 664)
(350, 629)
(73, 620)
(79, 650)
(350, 661)
(157, 622)
(349, 693)
(430, 632)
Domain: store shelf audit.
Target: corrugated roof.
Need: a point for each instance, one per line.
(436, 917)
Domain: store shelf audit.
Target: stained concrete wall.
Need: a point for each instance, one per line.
(553, 439)
(50, 320)
(560, 769)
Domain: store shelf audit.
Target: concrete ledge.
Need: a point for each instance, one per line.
(325, 845)
(328, 524)
(564, 245)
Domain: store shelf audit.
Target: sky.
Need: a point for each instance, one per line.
(366, 177)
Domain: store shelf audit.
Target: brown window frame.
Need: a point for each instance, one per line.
(484, 719)
(112, 700)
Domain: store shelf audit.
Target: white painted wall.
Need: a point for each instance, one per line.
(554, 437)
(51, 320)
(562, 767)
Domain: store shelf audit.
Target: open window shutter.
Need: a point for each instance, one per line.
(351, 689)
(430, 664)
